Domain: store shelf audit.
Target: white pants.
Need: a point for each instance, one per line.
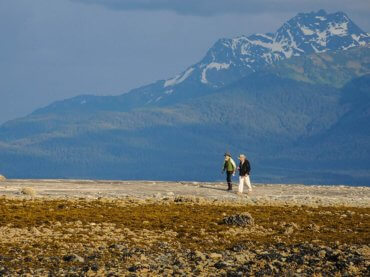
(244, 180)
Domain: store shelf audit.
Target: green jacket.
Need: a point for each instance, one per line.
(229, 165)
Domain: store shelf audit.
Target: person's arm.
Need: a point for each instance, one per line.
(248, 167)
(224, 167)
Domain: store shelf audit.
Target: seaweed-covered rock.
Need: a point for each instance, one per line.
(243, 219)
(133, 268)
(313, 227)
(238, 247)
(73, 258)
(220, 265)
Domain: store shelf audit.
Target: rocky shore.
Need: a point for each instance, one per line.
(57, 230)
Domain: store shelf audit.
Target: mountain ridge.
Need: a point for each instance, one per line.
(231, 59)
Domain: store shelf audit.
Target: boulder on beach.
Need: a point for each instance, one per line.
(242, 220)
(28, 191)
(2, 178)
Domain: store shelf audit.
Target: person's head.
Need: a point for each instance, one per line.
(227, 156)
(242, 157)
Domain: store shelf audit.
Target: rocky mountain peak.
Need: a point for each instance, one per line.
(306, 33)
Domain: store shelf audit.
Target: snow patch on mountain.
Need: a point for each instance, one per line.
(213, 65)
(338, 29)
(307, 31)
(321, 40)
(179, 78)
(359, 38)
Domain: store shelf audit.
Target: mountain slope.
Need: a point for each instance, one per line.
(344, 148)
(263, 115)
(184, 141)
(334, 68)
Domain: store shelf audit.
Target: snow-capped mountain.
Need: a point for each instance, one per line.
(229, 60)
(306, 33)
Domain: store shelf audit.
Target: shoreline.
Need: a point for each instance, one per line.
(220, 181)
(263, 194)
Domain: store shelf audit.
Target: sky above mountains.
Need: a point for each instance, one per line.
(52, 50)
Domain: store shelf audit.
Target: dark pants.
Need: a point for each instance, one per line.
(229, 174)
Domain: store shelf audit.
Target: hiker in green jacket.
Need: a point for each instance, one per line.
(229, 167)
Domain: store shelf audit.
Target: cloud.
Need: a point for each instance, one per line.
(216, 7)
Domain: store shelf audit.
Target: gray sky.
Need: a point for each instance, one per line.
(51, 50)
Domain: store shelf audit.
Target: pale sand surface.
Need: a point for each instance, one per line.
(262, 193)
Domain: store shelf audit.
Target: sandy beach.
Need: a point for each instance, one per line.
(262, 194)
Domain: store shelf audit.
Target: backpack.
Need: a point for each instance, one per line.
(233, 163)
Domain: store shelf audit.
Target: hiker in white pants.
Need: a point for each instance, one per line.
(244, 180)
(244, 170)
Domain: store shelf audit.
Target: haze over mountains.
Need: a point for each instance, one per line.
(296, 101)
